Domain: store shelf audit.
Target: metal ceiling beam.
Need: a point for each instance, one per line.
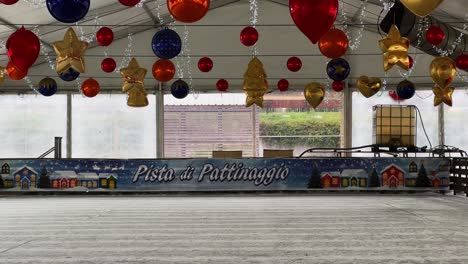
(13, 27)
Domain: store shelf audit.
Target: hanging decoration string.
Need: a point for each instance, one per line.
(421, 31)
(36, 3)
(354, 43)
(44, 51)
(457, 42)
(127, 54)
(253, 22)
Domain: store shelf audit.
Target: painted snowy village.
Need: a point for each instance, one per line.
(27, 178)
(391, 177)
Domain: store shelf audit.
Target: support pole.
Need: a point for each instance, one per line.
(69, 126)
(58, 148)
(347, 118)
(441, 121)
(160, 121)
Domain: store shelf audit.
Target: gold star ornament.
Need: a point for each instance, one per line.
(443, 95)
(395, 50)
(134, 85)
(70, 52)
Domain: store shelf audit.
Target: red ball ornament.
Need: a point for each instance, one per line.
(435, 35)
(188, 11)
(9, 2)
(283, 85)
(411, 62)
(394, 95)
(462, 62)
(129, 2)
(105, 36)
(108, 65)
(334, 44)
(14, 73)
(249, 36)
(90, 87)
(338, 86)
(23, 48)
(205, 64)
(222, 85)
(294, 64)
(163, 70)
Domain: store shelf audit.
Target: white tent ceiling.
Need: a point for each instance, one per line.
(216, 36)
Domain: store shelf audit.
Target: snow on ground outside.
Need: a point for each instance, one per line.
(364, 229)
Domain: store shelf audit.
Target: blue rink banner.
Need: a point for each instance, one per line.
(224, 174)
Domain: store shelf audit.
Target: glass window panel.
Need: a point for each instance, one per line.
(105, 127)
(363, 115)
(29, 124)
(456, 120)
(199, 124)
(287, 121)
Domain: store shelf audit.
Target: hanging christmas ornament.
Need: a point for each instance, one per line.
(69, 75)
(435, 35)
(47, 87)
(90, 87)
(23, 48)
(134, 84)
(222, 85)
(70, 53)
(338, 86)
(283, 85)
(180, 89)
(163, 70)
(68, 11)
(14, 73)
(443, 71)
(8, 2)
(368, 86)
(314, 93)
(313, 17)
(249, 36)
(2, 75)
(105, 36)
(205, 64)
(462, 62)
(294, 64)
(405, 89)
(188, 11)
(411, 62)
(395, 49)
(443, 95)
(108, 65)
(394, 95)
(255, 83)
(338, 69)
(421, 8)
(166, 44)
(129, 3)
(334, 44)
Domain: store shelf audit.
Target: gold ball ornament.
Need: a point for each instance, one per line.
(395, 50)
(314, 93)
(70, 53)
(443, 95)
(443, 71)
(421, 8)
(368, 86)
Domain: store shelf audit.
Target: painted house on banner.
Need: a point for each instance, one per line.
(439, 179)
(25, 178)
(108, 180)
(330, 179)
(63, 179)
(353, 178)
(393, 177)
(89, 180)
(6, 176)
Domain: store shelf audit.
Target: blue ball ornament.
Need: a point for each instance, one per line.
(338, 69)
(180, 89)
(405, 89)
(166, 44)
(68, 11)
(69, 75)
(47, 87)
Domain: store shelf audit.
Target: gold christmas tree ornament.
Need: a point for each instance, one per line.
(134, 85)
(70, 52)
(395, 50)
(255, 83)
